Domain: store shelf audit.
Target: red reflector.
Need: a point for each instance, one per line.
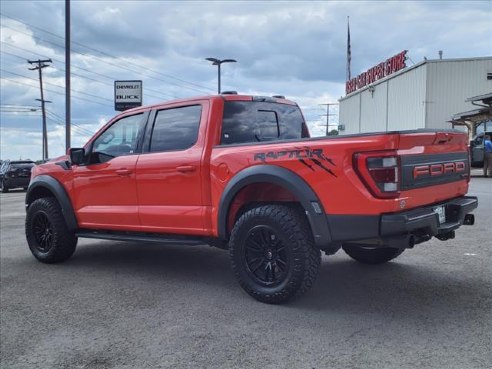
(381, 175)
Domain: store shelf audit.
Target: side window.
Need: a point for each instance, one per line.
(267, 127)
(175, 129)
(119, 139)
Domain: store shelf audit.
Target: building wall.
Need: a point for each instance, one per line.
(450, 83)
(349, 114)
(373, 108)
(423, 96)
(406, 107)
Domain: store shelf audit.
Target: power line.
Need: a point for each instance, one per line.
(56, 118)
(105, 53)
(55, 85)
(84, 69)
(109, 63)
(55, 92)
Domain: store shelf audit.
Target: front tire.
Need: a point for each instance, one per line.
(5, 189)
(273, 254)
(48, 236)
(371, 255)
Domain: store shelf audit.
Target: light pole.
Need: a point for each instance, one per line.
(218, 62)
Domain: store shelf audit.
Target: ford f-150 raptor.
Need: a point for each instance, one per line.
(241, 173)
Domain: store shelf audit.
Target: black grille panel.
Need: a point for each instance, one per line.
(429, 170)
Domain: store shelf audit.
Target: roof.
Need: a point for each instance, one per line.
(225, 97)
(475, 116)
(486, 99)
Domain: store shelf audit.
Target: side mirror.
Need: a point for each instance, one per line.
(77, 155)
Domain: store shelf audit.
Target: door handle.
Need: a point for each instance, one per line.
(123, 172)
(186, 168)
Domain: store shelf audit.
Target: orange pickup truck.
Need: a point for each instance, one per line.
(241, 173)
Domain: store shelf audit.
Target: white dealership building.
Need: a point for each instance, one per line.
(425, 95)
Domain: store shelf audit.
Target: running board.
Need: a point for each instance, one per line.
(167, 239)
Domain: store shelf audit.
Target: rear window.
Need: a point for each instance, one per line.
(254, 121)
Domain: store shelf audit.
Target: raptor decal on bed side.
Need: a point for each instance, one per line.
(304, 155)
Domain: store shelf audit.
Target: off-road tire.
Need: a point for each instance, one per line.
(368, 255)
(5, 189)
(292, 245)
(48, 236)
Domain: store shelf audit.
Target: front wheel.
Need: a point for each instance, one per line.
(3, 187)
(372, 255)
(48, 236)
(273, 254)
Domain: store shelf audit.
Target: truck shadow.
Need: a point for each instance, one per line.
(399, 289)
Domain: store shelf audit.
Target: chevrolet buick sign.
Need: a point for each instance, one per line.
(127, 95)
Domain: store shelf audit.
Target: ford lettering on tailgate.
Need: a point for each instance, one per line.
(428, 170)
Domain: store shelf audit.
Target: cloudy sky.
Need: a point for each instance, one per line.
(292, 48)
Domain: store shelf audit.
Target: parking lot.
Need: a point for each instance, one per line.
(130, 305)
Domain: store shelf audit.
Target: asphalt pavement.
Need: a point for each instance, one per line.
(131, 305)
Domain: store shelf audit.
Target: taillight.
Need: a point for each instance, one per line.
(380, 173)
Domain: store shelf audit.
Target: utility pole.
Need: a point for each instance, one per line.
(328, 115)
(68, 107)
(40, 65)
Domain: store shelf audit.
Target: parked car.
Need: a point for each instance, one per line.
(15, 174)
(477, 149)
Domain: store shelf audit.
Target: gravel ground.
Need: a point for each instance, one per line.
(130, 305)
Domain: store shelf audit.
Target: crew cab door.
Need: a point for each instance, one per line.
(169, 171)
(105, 194)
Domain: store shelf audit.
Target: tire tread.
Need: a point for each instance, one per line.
(295, 226)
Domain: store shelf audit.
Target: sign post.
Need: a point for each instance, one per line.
(127, 95)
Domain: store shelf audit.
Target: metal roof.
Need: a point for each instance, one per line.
(486, 99)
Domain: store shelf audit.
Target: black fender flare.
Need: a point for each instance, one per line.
(282, 177)
(51, 184)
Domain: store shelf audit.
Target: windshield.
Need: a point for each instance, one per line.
(254, 121)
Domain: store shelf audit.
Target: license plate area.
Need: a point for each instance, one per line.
(441, 213)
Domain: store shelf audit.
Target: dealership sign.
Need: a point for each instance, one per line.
(384, 69)
(127, 95)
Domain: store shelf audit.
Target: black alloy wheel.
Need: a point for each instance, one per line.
(3, 187)
(273, 254)
(43, 232)
(265, 255)
(48, 236)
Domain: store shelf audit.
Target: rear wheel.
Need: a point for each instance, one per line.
(3, 187)
(48, 236)
(273, 254)
(372, 255)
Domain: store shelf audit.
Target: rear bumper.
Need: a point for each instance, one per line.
(426, 220)
(14, 182)
(382, 229)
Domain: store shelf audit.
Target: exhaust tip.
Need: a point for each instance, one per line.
(411, 241)
(469, 219)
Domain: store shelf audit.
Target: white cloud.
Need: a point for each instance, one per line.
(291, 48)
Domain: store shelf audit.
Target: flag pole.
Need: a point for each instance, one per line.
(349, 52)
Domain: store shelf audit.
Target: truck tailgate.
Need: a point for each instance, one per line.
(434, 166)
